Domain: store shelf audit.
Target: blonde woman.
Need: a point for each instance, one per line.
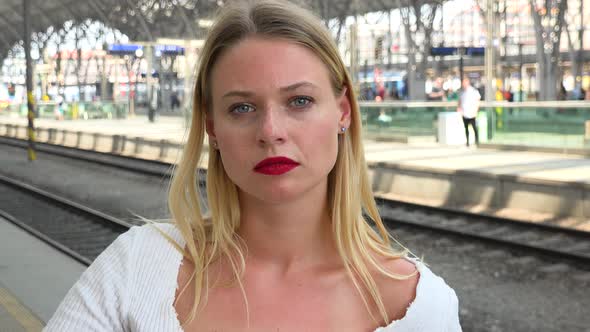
(283, 245)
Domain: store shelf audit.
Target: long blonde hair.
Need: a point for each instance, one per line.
(349, 190)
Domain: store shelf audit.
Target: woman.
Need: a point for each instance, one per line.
(285, 246)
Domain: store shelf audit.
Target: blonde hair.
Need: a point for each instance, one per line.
(349, 190)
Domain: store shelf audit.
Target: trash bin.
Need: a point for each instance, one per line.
(450, 128)
(482, 127)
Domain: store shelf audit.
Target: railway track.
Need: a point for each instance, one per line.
(559, 243)
(76, 230)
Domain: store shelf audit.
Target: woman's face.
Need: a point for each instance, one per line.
(272, 98)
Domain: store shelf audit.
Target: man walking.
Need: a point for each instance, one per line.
(468, 108)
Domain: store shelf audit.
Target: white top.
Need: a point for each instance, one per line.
(131, 287)
(469, 102)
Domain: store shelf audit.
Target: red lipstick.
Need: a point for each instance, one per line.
(275, 166)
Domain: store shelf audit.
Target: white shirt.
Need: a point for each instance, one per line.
(131, 287)
(469, 102)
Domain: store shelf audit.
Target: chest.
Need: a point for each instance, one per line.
(272, 309)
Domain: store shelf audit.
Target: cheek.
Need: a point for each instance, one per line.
(234, 149)
(322, 143)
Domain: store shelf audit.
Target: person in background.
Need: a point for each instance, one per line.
(468, 107)
(394, 94)
(174, 101)
(437, 93)
(562, 93)
(154, 103)
(381, 90)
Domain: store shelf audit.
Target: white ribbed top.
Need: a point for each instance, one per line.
(132, 284)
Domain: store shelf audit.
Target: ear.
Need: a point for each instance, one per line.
(209, 127)
(345, 109)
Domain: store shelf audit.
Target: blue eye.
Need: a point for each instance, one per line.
(241, 109)
(301, 102)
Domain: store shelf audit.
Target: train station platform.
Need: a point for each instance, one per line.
(34, 278)
(542, 187)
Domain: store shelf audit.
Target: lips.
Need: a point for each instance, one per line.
(275, 166)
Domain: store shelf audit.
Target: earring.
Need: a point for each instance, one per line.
(343, 129)
(214, 144)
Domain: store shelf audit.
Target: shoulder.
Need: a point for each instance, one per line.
(129, 248)
(136, 249)
(150, 234)
(429, 299)
(154, 244)
(398, 293)
(102, 299)
(154, 233)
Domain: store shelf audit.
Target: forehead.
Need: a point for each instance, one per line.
(267, 64)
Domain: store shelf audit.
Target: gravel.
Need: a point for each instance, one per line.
(506, 291)
(122, 194)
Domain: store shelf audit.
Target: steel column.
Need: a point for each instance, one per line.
(489, 52)
(30, 98)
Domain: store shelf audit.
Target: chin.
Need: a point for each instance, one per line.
(274, 194)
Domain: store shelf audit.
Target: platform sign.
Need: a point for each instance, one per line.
(124, 49)
(442, 51)
(475, 51)
(169, 50)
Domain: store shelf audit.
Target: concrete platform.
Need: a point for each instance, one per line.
(34, 278)
(532, 186)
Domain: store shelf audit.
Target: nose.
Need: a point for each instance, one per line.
(271, 127)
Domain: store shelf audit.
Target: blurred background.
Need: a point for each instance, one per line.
(95, 100)
(110, 59)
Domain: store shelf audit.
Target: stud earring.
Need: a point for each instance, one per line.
(343, 129)
(214, 144)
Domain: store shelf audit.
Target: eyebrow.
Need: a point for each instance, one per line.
(240, 93)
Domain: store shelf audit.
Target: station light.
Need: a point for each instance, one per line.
(205, 23)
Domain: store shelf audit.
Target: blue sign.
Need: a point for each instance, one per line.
(124, 48)
(442, 51)
(475, 51)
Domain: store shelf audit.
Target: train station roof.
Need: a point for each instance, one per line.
(146, 19)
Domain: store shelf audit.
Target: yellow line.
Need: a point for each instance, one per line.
(23, 315)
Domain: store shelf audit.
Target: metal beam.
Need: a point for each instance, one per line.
(29, 80)
(141, 19)
(190, 26)
(489, 52)
(37, 11)
(101, 13)
(5, 42)
(42, 13)
(8, 26)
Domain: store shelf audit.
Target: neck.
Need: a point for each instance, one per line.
(290, 236)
